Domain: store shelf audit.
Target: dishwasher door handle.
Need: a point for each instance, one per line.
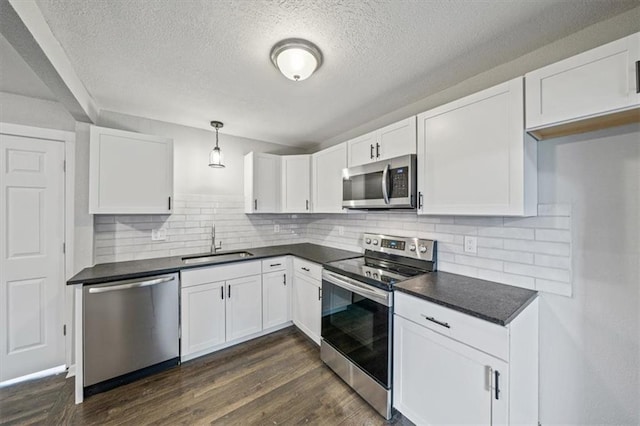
(128, 286)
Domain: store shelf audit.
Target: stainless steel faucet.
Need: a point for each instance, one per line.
(214, 247)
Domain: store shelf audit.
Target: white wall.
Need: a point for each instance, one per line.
(191, 148)
(34, 112)
(590, 343)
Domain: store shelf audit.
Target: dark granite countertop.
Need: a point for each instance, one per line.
(105, 272)
(490, 301)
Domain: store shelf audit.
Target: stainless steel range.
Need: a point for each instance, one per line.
(357, 312)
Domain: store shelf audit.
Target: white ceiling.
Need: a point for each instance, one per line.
(192, 61)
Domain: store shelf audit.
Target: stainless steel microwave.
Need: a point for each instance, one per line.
(386, 184)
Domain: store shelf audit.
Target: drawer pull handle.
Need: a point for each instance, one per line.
(276, 264)
(432, 319)
(496, 374)
(305, 269)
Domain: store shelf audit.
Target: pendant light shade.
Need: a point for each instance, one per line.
(296, 58)
(215, 156)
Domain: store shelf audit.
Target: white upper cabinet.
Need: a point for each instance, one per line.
(565, 97)
(262, 183)
(326, 179)
(296, 186)
(394, 140)
(475, 158)
(129, 172)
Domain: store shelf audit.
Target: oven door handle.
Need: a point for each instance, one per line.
(385, 184)
(381, 296)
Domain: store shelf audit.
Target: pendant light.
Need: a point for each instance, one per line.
(215, 157)
(296, 58)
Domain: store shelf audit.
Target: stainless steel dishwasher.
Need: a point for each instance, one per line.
(131, 329)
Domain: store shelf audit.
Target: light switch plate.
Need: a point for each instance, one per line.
(470, 244)
(159, 234)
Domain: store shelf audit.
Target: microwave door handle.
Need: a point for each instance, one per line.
(385, 184)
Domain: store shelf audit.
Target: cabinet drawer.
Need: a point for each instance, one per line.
(274, 264)
(485, 336)
(309, 269)
(211, 274)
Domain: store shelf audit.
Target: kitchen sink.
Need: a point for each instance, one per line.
(216, 257)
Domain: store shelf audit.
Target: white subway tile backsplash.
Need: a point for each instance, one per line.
(530, 252)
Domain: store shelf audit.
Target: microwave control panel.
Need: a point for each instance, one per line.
(399, 182)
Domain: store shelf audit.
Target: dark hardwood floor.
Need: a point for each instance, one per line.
(273, 380)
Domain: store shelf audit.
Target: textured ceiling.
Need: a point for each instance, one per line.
(192, 61)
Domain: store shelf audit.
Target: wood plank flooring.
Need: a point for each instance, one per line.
(276, 379)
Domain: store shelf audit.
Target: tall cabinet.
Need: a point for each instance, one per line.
(475, 158)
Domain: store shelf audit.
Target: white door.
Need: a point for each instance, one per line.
(397, 139)
(31, 256)
(296, 175)
(362, 149)
(267, 183)
(327, 179)
(276, 300)
(203, 317)
(307, 306)
(244, 306)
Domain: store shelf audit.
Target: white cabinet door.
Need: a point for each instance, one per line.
(276, 299)
(244, 306)
(438, 380)
(596, 82)
(362, 149)
(296, 185)
(397, 139)
(262, 183)
(307, 306)
(129, 172)
(474, 157)
(202, 317)
(327, 179)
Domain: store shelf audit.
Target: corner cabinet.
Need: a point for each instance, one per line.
(595, 89)
(129, 173)
(394, 140)
(451, 368)
(326, 179)
(296, 185)
(262, 183)
(475, 158)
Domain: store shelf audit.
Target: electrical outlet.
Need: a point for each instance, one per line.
(470, 244)
(159, 234)
(276, 228)
(341, 230)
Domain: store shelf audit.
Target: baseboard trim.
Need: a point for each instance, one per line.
(37, 375)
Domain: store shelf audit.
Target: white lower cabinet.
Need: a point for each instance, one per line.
(307, 298)
(219, 305)
(461, 369)
(276, 299)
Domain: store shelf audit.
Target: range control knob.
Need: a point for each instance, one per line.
(423, 249)
(375, 275)
(412, 247)
(368, 240)
(375, 242)
(368, 273)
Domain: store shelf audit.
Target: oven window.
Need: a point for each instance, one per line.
(358, 328)
(363, 187)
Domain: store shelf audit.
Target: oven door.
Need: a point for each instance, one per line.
(356, 321)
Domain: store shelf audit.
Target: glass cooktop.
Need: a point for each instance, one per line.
(377, 272)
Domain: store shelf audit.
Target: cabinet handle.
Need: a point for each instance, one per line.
(284, 279)
(222, 292)
(275, 264)
(255, 204)
(169, 203)
(305, 269)
(419, 200)
(371, 152)
(496, 375)
(377, 150)
(432, 319)
(319, 293)
(229, 292)
(637, 76)
(307, 204)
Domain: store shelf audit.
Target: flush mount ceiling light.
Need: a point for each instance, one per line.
(296, 58)
(215, 157)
